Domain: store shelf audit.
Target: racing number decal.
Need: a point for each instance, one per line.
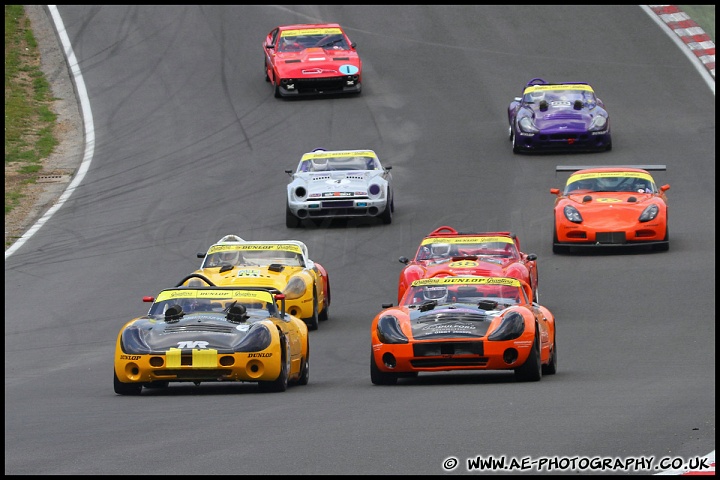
(608, 200)
(463, 264)
(348, 69)
(248, 273)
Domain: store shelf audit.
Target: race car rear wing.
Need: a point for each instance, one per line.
(573, 168)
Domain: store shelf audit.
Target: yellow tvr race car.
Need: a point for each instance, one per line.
(283, 265)
(212, 334)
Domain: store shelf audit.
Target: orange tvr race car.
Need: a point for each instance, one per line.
(610, 206)
(446, 251)
(463, 323)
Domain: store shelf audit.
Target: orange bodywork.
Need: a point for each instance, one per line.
(610, 206)
(470, 328)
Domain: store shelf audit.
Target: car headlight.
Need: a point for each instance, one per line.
(388, 330)
(374, 190)
(295, 288)
(598, 123)
(572, 214)
(511, 327)
(649, 213)
(300, 192)
(258, 338)
(526, 125)
(132, 341)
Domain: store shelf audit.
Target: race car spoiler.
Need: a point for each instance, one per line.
(573, 168)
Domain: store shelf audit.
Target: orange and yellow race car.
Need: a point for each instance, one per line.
(610, 206)
(463, 323)
(284, 265)
(212, 334)
(487, 254)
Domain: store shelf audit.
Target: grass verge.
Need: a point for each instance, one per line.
(29, 119)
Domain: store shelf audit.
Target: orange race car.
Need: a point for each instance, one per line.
(610, 206)
(495, 254)
(463, 323)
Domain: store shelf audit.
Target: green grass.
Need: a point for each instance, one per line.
(704, 15)
(29, 119)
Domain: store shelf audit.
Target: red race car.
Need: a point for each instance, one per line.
(447, 251)
(311, 59)
(463, 323)
(610, 206)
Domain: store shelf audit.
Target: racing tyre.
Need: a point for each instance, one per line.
(516, 147)
(387, 215)
(324, 315)
(531, 370)
(158, 384)
(277, 91)
(378, 377)
(280, 384)
(291, 221)
(559, 249)
(125, 388)
(267, 79)
(663, 247)
(305, 369)
(551, 368)
(313, 322)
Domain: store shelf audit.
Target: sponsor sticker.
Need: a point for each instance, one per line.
(583, 176)
(311, 31)
(547, 88)
(220, 294)
(467, 281)
(286, 247)
(330, 154)
(467, 240)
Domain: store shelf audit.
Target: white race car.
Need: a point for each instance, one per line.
(339, 184)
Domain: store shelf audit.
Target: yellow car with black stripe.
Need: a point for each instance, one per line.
(212, 334)
(283, 265)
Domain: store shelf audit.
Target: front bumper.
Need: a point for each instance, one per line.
(451, 355)
(636, 235)
(319, 86)
(338, 208)
(563, 141)
(199, 366)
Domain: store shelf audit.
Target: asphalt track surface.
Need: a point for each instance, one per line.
(189, 145)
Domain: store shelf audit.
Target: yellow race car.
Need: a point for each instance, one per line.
(283, 265)
(212, 334)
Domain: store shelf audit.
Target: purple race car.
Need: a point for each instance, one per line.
(552, 117)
